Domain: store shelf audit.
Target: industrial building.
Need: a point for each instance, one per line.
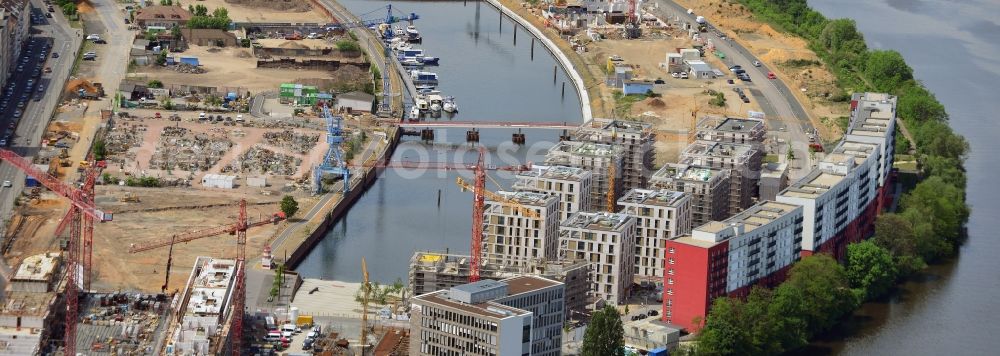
(513, 239)
(743, 162)
(514, 316)
(637, 138)
(708, 187)
(832, 206)
(659, 215)
(432, 271)
(607, 241)
(602, 160)
(204, 313)
(731, 129)
(570, 185)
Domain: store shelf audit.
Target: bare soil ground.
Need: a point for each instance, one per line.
(232, 67)
(268, 10)
(813, 84)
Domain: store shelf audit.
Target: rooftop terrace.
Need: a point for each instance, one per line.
(658, 197)
(526, 198)
(596, 221)
(672, 171)
(555, 172)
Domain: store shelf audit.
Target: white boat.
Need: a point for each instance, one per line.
(421, 77)
(414, 113)
(411, 62)
(422, 104)
(412, 34)
(436, 102)
(449, 104)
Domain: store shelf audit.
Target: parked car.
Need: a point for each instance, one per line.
(756, 63)
(93, 36)
(659, 81)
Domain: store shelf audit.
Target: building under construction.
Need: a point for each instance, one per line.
(570, 185)
(513, 239)
(708, 187)
(637, 139)
(604, 161)
(731, 129)
(659, 215)
(201, 322)
(432, 271)
(743, 161)
(27, 314)
(606, 240)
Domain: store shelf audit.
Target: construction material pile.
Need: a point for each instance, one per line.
(123, 136)
(182, 149)
(122, 324)
(187, 68)
(298, 142)
(259, 160)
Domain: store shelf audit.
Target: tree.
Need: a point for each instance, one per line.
(69, 9)
(99, 150)
(826, 293)
(870, 269)
(605, 335)
(161, 59)
(842, 35)
(895, 234)
(220, 13)
(724, 332)
(175, 31)
(289, 206)
(887, 70)
(155, 83)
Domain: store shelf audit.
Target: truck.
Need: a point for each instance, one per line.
(304, 321)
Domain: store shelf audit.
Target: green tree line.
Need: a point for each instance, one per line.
(927, 227)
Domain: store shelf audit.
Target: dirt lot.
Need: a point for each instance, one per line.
(796, 65)
(232, 67)
(268, 11)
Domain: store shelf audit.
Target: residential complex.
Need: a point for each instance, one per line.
(659, 215)
(635, 137)
(773, 179)
(709, 189)
(731, 130)
(515, 316)
(743, 161)
(835, 204)
(433, 271)
(570, 184)
(511, 238)
(607, 241)
(601, 160)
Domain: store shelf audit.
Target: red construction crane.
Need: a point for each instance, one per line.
(239, 228)
(80, 219)
(194, 235)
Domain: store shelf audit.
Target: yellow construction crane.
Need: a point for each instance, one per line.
(498, 198)
(366, 289)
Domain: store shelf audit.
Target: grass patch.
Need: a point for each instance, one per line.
(84, 47)
(771, 158)
(623, 103)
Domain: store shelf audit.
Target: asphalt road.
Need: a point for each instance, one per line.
(786, 118)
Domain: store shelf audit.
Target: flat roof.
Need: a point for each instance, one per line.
(773, 170)
(718, 149)
(761, 214)
(555, 172)
(27, 303)
(658, 197)
(596, 221)
(486, 309)
(526, 198)
(38, 268)
(524, 284)
(586, 149)
(209, 290)
(730, 124)
(685, 172)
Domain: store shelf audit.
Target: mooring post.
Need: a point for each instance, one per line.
(554, 74)
(532, 48)
(564, 90)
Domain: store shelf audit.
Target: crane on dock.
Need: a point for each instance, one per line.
(333, 161)
(80, 220)
(198, 234)
(478, 188)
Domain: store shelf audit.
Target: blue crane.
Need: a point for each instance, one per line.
(387, 34)
(333, 161)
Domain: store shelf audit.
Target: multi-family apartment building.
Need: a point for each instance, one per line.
(659, 215)
(515, 316)
(743, 161)
(570, 184)
(511, 238)
(773, 180)
(833, 205)
(607, 241)
(637, 139)
(727, 258)
(15, 27)
(602, 160)
(731, 129)
(709, 189)
(434, 271)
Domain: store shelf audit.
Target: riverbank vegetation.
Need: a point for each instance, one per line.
(926, 227)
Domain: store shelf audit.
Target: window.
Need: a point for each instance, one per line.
(670, 281)
(670, 260)
(670, 271)
(670, 250)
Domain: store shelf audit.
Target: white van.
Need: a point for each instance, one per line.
(201, 116)
(273, 336)
(287, 330)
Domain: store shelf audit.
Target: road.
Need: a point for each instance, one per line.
(786, 118)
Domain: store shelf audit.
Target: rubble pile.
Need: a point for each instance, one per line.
(187, 68)
(298, 142)
(182, 149)
(259, 160)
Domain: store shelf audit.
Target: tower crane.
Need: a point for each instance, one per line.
(198, 234)
(478, 201)
(366, 289)
(83, 212)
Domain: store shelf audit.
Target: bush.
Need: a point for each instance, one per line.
(155, 83)
(348, 46)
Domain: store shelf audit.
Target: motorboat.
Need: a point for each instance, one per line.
(411, 62)
(436, 102)
(412, 34)
(414, 113)
(449, 105)
(422, 77)
(429, 60)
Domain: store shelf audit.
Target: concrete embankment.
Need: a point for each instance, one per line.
(561, 58)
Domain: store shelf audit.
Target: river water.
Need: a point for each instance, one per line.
(492, 80)
(954, 48)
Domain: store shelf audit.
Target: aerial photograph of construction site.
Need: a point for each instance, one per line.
(622, 177)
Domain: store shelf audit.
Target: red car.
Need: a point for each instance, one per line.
(158, 115)
(770, 75)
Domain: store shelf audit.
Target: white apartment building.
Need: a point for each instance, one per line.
(607, 241)
(659, 215)
(512, 317)
(598, 159)
(570, 184)
(513, 239)
(709, 189)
